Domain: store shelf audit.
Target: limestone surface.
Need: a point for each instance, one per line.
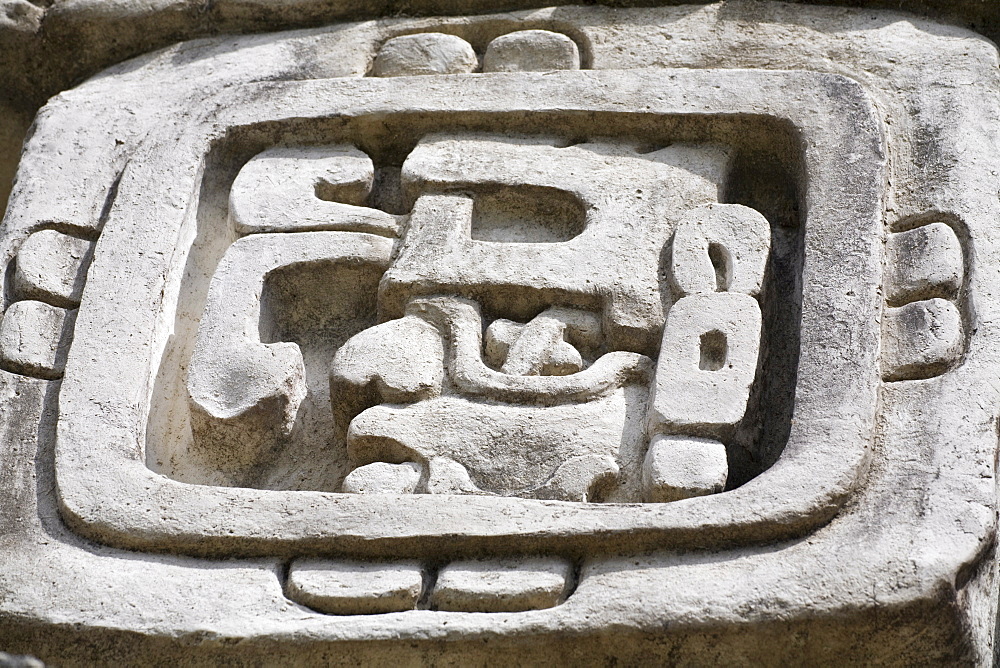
(560, 336)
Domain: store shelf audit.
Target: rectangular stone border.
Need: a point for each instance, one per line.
(107, 494)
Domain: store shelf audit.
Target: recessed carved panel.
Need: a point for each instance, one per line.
(650, 321)
(543, 295)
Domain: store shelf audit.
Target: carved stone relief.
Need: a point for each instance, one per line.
(508, 318)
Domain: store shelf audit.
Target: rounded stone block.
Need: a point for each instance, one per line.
(383, 478)
(721, 248)
(921, 339)
(425, 53)
(531, 51)
(708, 361)
(355, 588)
(503, 585)
(679, 467)
(923, 262)
(34, 339)
(51, 267)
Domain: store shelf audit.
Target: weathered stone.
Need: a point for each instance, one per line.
(531, 51)
(51, 267)
(383, 478)
(703, 336)
(679, 467)
(510, 585)
(720, 248)
(707, 364)
(922, 263)
(425, 53)
(355, 588)
(304, 189)
(35, 338)
(921, 339)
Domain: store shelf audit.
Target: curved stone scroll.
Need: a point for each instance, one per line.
(461, 322)
(245, 394)
(307, 188)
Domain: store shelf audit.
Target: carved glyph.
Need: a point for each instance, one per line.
(588, 319)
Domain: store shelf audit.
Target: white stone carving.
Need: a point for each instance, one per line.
(51, 267)
(920, 339)
(502, 586)
(923, 262)
(425, 53)
(353, 588)
(531, 51)
(245, 394)
(679, 467)
(630, 350)
(34, 338)
(304, 189)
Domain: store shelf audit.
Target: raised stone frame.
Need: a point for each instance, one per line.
(833, 419)
(869, 536)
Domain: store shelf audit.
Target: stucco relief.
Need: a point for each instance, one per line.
(504, 318)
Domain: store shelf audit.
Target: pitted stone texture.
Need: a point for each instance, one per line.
(51, 267)
(546, 346)
(922, 263)
(720, 248)
(597, 183)
(531, 51)
(707, 364)
(19, 661)
(400, 361)
(921, 339)
(425, 53)
(918, 522)
(355, 588)
(289, 515)
(383, 478)
(306, 189)
(21, 15)
(460, 324)
(243, 390)
(35, 338)
(679, 467)
(511, 585)
(508, 449)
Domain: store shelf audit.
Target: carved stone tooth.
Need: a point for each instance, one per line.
(679, 467)
(502, 585)
(35, 338)
(425, 53)
(52, 267)
(923, 263)
(447, 476)
(921, 339)
(531, 51)
(355, 587)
